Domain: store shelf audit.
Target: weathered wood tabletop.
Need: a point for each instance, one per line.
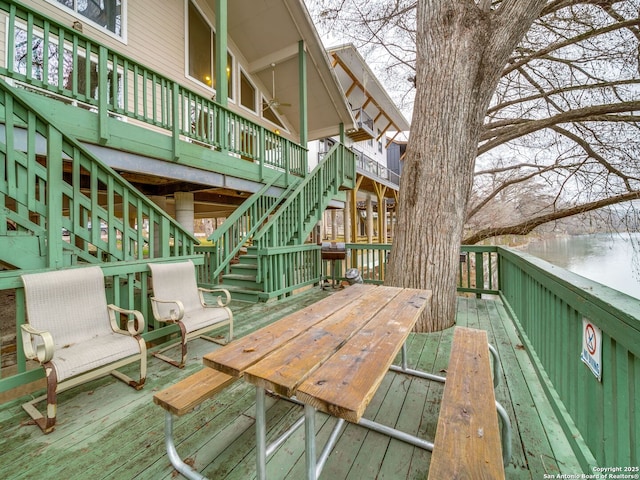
(331, 355)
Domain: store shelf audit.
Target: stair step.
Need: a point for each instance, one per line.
(241, 294)
(247, 282)
(244, 269)
(247, 259)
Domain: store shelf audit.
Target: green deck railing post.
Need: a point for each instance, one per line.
(175, 119)
(221, 53)
(479, 257)
(302, 82)
(103, 94)
(54, 198)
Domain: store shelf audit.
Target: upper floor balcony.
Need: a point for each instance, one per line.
(368, 166)
(365, 128)
(117, 97)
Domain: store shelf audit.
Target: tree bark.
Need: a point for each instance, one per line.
(461, 53)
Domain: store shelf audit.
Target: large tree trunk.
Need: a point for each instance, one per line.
(461, 51)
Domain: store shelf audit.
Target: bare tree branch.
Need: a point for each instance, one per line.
(527, 226)
(502, 132)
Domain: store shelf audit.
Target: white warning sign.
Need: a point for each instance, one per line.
(592, 347)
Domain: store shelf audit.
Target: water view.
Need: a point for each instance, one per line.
(610, 259)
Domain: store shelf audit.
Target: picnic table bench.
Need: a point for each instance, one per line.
(468, 442)
(183, 397)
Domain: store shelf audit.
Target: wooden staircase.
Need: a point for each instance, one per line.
(69, 189)
(289, 224)
(241, 281)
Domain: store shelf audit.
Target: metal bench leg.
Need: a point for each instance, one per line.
(506, 434)
(172, 453)
(496, 365)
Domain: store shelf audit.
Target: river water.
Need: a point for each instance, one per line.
(610, 259)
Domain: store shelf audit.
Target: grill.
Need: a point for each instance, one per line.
(333, 251)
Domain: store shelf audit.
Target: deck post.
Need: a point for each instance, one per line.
(222, 91)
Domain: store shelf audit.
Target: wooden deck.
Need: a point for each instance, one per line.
(107, 430)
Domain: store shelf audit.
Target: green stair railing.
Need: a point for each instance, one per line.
(296, 217)
(294, 220)
(77, 69)
(239, 228)
(55, 189)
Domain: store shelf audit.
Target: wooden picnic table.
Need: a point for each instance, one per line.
(330, 356)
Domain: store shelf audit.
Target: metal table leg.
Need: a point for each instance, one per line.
(310, 441)
(261, 434)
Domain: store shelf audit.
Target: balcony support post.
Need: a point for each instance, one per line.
(302, 82)
(222, 91)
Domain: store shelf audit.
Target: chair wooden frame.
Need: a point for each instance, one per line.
(178, 300)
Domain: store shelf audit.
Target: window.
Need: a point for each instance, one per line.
(247, 93)
(106, 14)
(379, 141)
(202, 51)
(201, 46)
(230, 92)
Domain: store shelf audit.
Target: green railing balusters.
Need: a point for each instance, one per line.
(289, 227)
(151, 100)
(295, 219)
(65, 204)
(599, 418)
(240, 227)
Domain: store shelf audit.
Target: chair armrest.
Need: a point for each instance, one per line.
(131, 323)
(174, 314)
(218, 299)
(41, 349)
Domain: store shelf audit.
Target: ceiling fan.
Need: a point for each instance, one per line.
(274, 103)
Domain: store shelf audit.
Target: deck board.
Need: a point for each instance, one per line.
(107, 430)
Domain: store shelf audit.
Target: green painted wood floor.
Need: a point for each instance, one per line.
(107, 430)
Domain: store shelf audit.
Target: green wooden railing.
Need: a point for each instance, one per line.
(549, 304)
(477, 272)
(238, 229)
(292, 223)
(289, 268)
(70, 190)
(59, 61)
(296, 217)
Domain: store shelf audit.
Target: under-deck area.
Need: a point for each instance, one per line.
(107, 430)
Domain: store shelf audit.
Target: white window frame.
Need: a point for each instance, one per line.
(123, 19)
(232, 80)
(257, 97)
(186, 44)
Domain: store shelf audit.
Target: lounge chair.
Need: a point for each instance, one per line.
(75, 335)
(178, 299)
